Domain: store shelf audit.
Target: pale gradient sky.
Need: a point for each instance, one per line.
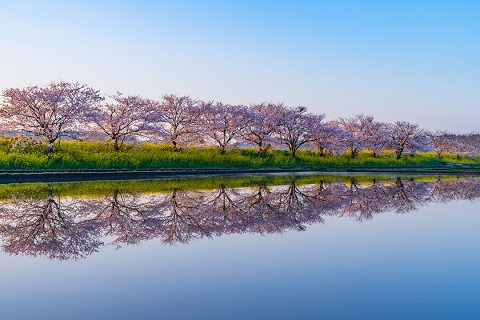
(396, 60)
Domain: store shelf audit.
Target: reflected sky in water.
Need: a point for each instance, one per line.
(414, 264)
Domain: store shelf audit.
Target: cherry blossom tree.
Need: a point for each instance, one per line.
(327, 138)
(125, 117)
(354, 139)
(373, 134)
(51, 112)
(470, 144)
(352, 144)
(364, 133)
(220, 123)
(261, 121)
(403, 135)
(295, 127)
(443, 142)
(175, 116)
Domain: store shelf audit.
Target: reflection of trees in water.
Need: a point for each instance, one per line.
(406, 195)
(73, 228)
(178, 217)
(461, 189)
(294, 207)
(360, 201)
(47, 227)
(121, 215)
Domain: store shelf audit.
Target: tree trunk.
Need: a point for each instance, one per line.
(50, 146)
(175, 149)
(292, 150)
(116, 146)
(321, 151)
(260, 149)
(399, 152)
(353, 152)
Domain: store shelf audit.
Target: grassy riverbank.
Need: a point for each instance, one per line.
(74, 155)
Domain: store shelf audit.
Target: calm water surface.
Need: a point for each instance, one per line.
(320, 248)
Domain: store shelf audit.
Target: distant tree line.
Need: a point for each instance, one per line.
(77, 111)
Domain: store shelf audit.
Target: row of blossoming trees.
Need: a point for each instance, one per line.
(65, 109)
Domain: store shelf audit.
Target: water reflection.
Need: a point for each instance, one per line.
(75, 227)
(48, 227)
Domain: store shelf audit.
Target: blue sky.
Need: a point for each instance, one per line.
(396, 60)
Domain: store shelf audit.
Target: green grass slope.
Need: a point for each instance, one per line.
(76, 155)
